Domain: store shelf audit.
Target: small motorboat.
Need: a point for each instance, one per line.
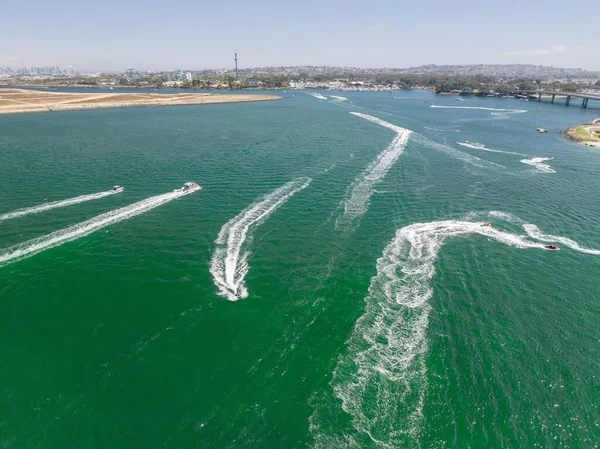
(189, 187)
(486, 225)
(117, 189)
(551, 247)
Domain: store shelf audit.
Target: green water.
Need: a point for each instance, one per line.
(121, 338)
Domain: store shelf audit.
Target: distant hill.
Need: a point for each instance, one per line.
(505, 71)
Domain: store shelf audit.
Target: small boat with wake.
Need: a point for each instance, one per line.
(552, 247)
(476, 145)
(189, 187)
(117, 189)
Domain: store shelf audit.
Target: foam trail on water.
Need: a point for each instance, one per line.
(513, 111)
(453, 152)
(381, 377)
(229, 264)
(534, 232)
(57, 238)
(338, 98)
(55, 205)
(380, 122)
(317, 95)
(538, 162)
(359, 192)
(505, 216)
(480, 146)
(444, 130)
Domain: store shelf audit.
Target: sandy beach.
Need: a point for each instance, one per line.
(14, 101)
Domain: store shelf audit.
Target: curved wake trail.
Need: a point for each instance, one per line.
(229, 265)
(57, 238)
(55, 205)
(378, 121)
(534, 232)
(360, 191)
(381, 378)
(317, 95)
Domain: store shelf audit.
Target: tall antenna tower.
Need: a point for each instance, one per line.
(236, 66)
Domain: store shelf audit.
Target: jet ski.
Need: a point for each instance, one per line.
(117, 189)
(486, 225)
(551, 247)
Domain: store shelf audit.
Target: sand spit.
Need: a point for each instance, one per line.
(25, 100)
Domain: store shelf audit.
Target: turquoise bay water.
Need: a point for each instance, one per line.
(357, 329)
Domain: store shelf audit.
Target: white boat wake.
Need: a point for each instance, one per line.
(443, 130)
(482, 147)
(56, 204)
(538, 163)
(381, 378)
(317, 95)
(360, 191)
(534, 232)
(57, 238)
(510, 111)
(338, 98)
(453, 152)
(229, 265)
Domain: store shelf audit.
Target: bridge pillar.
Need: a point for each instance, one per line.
(553, 96)
(540, 96)
(584, 103)
(568, 99)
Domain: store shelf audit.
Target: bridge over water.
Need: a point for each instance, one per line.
(555, 93)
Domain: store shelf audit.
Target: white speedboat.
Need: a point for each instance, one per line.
(189, 187)
(117, 189)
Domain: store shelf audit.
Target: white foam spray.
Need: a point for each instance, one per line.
(57, 238)
(338, 98)
(229, 264)
(360, 191)
(317, 95)
(56, 204)
(381, 378)
(538, 163)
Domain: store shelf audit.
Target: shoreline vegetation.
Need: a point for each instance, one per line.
(587, 134)
(14, 101)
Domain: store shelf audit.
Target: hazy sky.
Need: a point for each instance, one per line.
(197, 34)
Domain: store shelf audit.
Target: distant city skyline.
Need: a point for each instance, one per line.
(115, 36)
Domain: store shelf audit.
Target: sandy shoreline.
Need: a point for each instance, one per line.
(14, 101)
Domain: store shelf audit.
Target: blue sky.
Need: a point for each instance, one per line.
(196, 34)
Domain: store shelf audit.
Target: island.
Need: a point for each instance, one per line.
(587, 134)
(28, 100)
